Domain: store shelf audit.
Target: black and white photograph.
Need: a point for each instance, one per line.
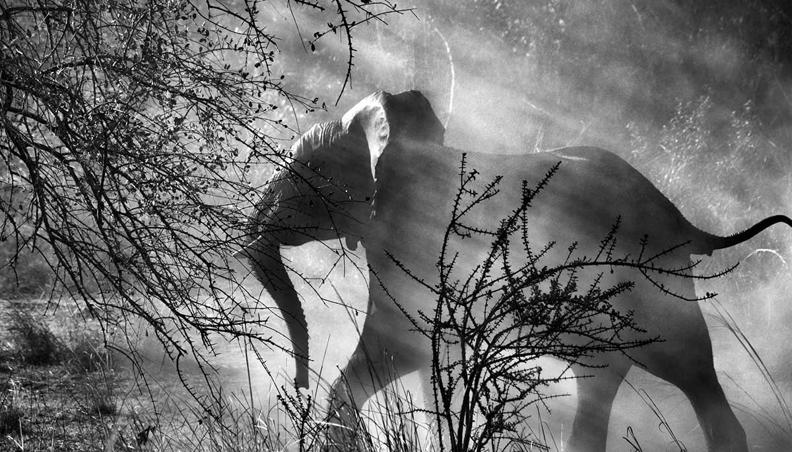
(376, 226)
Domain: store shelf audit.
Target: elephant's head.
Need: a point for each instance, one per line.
(324, 191)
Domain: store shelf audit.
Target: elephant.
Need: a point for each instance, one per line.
(381, 176)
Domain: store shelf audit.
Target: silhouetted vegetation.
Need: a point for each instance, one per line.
(129, 133)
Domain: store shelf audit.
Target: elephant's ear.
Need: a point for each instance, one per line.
(383, 118)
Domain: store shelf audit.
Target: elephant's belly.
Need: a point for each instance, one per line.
(422, 259)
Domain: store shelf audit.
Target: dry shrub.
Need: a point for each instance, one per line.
(34, 342)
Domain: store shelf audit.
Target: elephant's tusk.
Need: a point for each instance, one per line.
(351, 243)
(246, 247)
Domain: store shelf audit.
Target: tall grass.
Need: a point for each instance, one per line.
(58, 391)
(778, 421)
(11, 412)
(34, 342)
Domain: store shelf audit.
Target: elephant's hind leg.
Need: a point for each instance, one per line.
(697, 379)
(684, 359)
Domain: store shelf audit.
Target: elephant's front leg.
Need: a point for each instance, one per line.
(387, 350)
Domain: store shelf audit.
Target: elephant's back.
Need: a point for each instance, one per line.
(590, 191)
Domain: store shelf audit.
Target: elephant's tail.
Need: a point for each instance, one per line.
(713, 242)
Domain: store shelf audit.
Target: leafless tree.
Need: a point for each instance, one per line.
(127, 135)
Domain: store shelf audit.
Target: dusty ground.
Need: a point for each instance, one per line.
(73, 402)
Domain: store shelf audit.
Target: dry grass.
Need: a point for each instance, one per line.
(45, 409)
(10, 412)
(55, 393)
(33, 341)
(80, 402)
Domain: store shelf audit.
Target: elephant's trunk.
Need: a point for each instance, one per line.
(268, 265)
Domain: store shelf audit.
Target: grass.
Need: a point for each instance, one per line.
(293, 422)
(44, 409)
(87, 354)
(33, 341)
(78, 397)
(10, 412)
(57, 392)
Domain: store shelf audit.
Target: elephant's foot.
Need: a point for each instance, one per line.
(345, 430)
